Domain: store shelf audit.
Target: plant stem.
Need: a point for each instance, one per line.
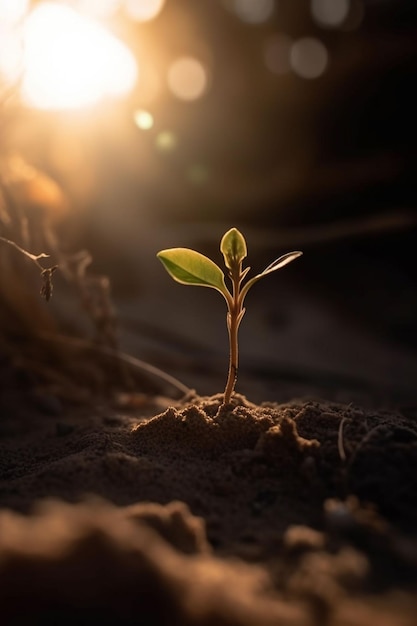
(234, 317)
(232, 327)
(33, 257)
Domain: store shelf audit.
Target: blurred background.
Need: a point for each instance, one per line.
(127, 126)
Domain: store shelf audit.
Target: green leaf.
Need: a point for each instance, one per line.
(189, 267)
(233, 248)
(272, 267)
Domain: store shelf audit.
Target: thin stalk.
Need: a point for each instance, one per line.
(116, 354)
(33, 257)
(234, 318)
(46, 273)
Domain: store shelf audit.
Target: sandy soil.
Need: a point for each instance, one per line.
(298, 513)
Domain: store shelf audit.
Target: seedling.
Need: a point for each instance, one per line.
(189, 267)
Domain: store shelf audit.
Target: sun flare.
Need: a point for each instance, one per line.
(71, 62)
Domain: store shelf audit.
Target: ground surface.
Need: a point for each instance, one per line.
(296, 513)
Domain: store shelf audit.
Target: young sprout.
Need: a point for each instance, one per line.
(192, 268)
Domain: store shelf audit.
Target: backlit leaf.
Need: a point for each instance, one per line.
(233, 248)
(192, 268)
(275, 265)
(280, 262)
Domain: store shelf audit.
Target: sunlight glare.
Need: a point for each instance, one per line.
(10, 57)
(12, 11)
(143, 10)
(187, 78)
(70, 61)
(101, 9)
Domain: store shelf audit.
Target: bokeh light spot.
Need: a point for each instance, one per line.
(101, 9)
(70, 61)
(12, 11)
(331, 13)
(166, 141)
(198, 174)
(187, 78)
(254, 11)
(143, 119)
(308, 57)
(277, 53)
(143, 10)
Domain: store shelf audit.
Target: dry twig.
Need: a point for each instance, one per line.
(46, 273)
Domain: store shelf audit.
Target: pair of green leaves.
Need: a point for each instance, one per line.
(192, 268)
(189, 267)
